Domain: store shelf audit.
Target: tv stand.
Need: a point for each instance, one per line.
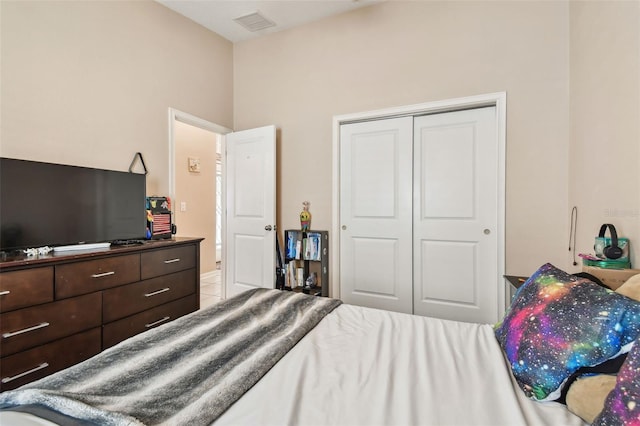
(90, 246)
(61, 308)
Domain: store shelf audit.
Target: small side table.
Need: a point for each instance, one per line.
(513, 284)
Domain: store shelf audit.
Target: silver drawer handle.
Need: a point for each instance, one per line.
(33, 370)
(153, 293)
(104, 274)
(177, 259)
(157, 322)
(25, 330)
(4, 293)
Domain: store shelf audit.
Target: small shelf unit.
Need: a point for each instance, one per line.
(308, 252)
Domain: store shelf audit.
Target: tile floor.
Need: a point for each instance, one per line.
(210, 289)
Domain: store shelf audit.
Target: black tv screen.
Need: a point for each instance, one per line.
(44, 204)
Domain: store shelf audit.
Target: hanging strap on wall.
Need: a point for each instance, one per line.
(573, 231)
(133, 162)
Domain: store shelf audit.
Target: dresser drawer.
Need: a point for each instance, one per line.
(120, 330)
(19, 369)
(29, 327)
(129, 299)
(25, 288)
(77, 278)
(166, 261)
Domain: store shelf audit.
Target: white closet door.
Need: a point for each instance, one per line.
(375, 214)
(455, 215)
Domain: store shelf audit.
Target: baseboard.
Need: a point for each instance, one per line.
(207, 275)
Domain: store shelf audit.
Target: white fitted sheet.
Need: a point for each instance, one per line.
(362, 366)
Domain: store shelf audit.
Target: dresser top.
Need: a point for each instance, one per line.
(18, 259)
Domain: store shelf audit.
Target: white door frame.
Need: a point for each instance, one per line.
(498, 99)
(183, 117)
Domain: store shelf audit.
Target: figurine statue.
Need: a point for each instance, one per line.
(305, 216)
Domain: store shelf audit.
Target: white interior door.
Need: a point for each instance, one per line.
(250, 193)
(375, 214)
(455, 215)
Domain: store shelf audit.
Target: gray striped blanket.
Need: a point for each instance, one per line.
(188, 371)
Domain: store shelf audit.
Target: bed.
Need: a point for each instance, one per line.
(347, 365)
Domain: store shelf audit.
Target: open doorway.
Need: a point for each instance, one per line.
(219, 202)
(196, 186)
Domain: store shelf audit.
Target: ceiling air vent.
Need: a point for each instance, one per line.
(254, 22)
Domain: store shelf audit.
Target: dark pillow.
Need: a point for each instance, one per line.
(610, 366)
(590, 278)
(622, 406)
(558, 323)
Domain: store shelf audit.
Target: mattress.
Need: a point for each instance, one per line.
(362, 366)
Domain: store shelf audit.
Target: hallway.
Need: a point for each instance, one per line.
(211, 289)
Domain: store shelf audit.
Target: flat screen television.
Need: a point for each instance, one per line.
(44, 204)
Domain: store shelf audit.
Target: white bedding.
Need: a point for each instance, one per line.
(363, 366)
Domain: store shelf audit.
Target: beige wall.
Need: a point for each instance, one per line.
(605, 120)
(89, 83)
(196, 190)
(400, 53)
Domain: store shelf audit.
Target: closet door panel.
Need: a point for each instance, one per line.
(447, 171)
(374, 185)
(375, 214)
(438, 284)
(455, 215)
(376, 282)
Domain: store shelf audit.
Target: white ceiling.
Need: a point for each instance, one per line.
(219, 15)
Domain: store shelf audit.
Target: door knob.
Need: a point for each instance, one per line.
(487, 231)
(268, 228)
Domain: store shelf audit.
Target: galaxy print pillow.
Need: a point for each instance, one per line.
(558, 323)
(622, 406)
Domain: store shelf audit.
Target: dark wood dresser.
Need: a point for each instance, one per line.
(60, 309)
